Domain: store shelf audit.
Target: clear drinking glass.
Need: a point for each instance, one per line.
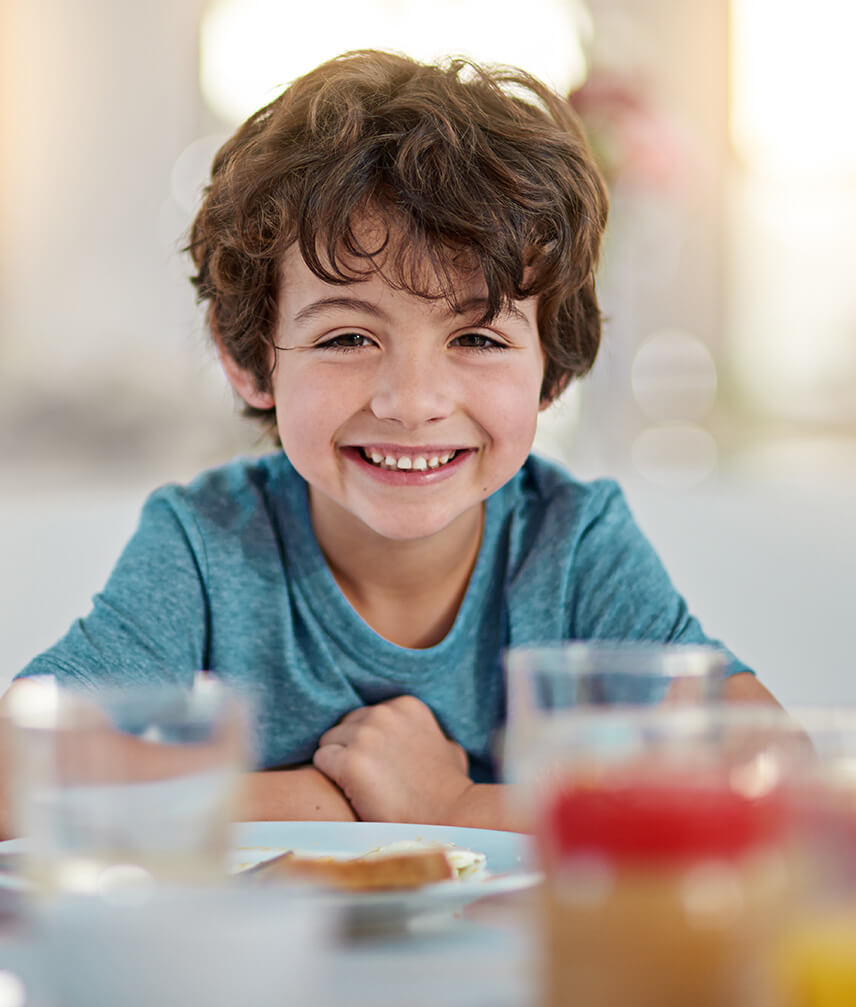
(664, 836)
(114, 789)
(544, 683)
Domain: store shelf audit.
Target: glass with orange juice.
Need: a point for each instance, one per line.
(817, 957)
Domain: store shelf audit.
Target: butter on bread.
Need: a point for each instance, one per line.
(394, 871)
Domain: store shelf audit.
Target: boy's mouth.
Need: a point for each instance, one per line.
(413, 461)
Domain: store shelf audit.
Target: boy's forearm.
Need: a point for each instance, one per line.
(6, 831)
(299, 794)
(744, 687)
(491, 806)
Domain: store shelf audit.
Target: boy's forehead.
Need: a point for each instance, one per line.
(461, 278)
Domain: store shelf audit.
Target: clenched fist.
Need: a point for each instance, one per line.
(394, 764)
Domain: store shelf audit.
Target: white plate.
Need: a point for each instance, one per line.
(509, 857)
(509, 860)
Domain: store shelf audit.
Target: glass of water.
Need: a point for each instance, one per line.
(116, 789)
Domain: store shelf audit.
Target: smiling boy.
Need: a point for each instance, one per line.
(398, 262)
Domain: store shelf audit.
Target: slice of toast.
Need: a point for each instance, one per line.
(388, 873)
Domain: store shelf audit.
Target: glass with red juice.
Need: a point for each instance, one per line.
(663, 838)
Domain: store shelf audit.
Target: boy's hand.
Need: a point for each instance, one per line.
(394, 763)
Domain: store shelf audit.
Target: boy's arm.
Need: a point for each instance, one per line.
(5, 774)
(302, 793)
(491, 806)
(744, 687)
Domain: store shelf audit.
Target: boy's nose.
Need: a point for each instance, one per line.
(412, 391)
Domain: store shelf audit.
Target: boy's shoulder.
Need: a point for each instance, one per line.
(234, 491)
(555, 528)
(240, 474)
(548, 512)
(545, 483)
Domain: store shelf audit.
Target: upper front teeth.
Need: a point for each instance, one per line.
(405, 462)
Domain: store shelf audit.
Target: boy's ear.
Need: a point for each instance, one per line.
(242, 380)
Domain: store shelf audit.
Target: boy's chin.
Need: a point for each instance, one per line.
(403, 528)
(414, 532)
(399, 522)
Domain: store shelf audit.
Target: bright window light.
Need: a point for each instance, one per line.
(793, 212)
(793, 83)
(251, 49)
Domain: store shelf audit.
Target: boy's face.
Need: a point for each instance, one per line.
(401, 416)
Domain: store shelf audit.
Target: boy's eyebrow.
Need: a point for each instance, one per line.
(474, 304)
(467, 307)
(326, 303)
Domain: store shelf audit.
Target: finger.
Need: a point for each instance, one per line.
(408, 705)
(338, 734)
(356, 715)
(339, 731)
(328, 759)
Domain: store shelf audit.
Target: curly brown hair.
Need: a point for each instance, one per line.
(469, 167)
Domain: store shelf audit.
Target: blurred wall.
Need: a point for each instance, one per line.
(103, 364)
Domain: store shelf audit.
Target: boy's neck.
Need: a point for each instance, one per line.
(407, 591)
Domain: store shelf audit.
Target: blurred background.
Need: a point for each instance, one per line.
(724, 398)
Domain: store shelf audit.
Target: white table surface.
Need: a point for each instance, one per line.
(484, 958)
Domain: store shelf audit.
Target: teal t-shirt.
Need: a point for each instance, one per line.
(226, 575)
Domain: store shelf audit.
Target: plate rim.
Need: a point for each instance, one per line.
(465, 890)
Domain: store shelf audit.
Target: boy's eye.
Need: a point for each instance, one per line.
(346, 341)
(478, 341)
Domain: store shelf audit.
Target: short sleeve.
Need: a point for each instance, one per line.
(150, 621)
(620, 588)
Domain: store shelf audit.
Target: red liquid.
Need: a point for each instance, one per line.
(658, 821)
